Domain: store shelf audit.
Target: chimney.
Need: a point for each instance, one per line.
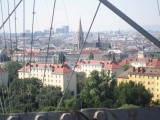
(139, 69)
(134, 69)
(143, 70)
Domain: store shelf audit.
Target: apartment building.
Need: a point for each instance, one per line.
(56, 75)
(3, 77)
(87, 66)
(148, 76)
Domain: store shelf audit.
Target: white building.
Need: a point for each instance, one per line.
(56, 75)
(3, 77)
(87, 66)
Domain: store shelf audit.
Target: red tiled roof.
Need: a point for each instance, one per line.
(106, 64)
(91, 51)
(153, 62)
(145, 71)
(126, 61)
(55, 68)
(111, 65)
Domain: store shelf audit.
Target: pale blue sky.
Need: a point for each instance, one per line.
(144, 12)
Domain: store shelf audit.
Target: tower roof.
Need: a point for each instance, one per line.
(80, 26)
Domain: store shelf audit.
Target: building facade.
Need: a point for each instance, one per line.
(87, 66)
(56, 75)
(149, 77)
(3, 77)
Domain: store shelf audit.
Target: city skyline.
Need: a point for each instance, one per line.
(68, 12)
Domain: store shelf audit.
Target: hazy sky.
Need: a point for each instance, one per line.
(144, 12)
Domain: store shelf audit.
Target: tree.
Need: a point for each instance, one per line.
(12, 67)
(80, 77)
(97, 90)
(91, 56)
(126, 67)
(29, 95)
(128, 106)
(62, 58)
(132, 93)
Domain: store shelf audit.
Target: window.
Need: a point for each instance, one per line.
(152, 89)
(140, 76)
(157, 90)
(152, 77)
(157, 78)
(157, 83)
(148, 83)
(152, 83)
(157, 96)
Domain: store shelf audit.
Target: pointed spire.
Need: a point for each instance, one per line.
(80, 26)
(80, 36)
(98, 38)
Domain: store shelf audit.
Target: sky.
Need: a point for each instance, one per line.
(69, 12)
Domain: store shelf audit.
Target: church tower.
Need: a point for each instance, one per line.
(98, 43)
(80, 36)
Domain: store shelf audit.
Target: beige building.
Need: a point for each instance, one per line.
(149, 77)
(3, 77)
(56, 75)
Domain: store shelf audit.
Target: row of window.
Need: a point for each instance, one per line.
(34, 75)
(140, 76)
(152, 89)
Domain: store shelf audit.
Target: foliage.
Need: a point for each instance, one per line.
(29, 95)
(62, 58)
(12, 67)
(72, 104)
(154, 103)
(128, 106)
(91, 56)
(110, 56)
(4, 57)
(80, 77)
(126, 67)
(97, 90)
(132, 93)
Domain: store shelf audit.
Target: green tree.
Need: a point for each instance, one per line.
(29, 95)
(80, 77)
(12, 67)
(98, 90)
(62, 58)
(91, 56)
(128, 106)
(126, 67)
(132, 93)
(72, 104)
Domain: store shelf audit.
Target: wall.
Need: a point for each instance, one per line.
(91, 114)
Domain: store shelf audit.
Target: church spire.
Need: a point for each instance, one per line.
(80, 36)
(98, 38)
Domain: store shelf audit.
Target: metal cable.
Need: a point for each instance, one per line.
(31, 48)
(15, 24)
(32, 36)
(158, 7)
(10, 15)
(10, 37)
(3, 98)
(79, 56)
(66, 12)
(50, 34)
(23, 90)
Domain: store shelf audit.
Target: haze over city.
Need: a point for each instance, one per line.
(66, 73)
(68, 12)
